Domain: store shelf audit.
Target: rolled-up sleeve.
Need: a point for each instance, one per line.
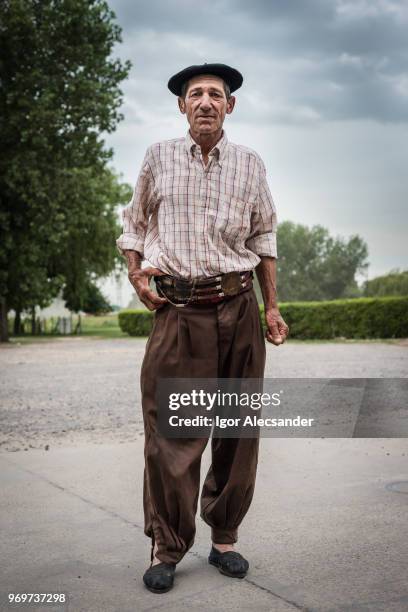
(262, 239)
(135, 214)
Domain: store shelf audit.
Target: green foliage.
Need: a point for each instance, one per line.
(312, 265)
(89, 251)
(136, 322)
(60, 90)
(394, 283)
(353, 318)
(91, 300)
(348, 318)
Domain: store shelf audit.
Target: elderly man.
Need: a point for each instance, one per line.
(202, 215)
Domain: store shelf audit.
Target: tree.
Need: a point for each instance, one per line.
(59, 91)
(312, 265)
(92, 301)
(393, 283)
(89, 252)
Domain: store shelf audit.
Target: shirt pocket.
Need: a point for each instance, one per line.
(172, 200)
(229, 218)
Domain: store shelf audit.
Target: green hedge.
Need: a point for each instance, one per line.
(385, 317)
(136, 322)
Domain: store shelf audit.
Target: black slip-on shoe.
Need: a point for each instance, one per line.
(229, 563)
(159, 578)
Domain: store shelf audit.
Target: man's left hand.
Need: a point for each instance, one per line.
(276, 328)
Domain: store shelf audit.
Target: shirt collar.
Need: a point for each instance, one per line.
(218, 149)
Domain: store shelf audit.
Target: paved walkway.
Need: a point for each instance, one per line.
(325, 531)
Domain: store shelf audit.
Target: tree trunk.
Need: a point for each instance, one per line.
(17, 323)
(4, 337)
(33, 320)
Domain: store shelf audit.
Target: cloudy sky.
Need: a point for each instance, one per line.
(324, 102)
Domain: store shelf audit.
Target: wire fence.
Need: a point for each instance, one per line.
(46, 326)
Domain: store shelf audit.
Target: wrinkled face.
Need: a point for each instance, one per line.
(206, 104)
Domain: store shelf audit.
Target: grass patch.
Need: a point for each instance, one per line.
(106, 326)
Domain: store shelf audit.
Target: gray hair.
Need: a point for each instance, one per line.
(227, 90)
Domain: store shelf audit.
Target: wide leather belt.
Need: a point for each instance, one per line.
(180, 291)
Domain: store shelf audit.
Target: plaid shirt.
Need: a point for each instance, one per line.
(193, 221)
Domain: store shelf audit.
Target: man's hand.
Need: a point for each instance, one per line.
(140, 280)
(277, 330)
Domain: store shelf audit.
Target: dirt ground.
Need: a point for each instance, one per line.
(67, 391)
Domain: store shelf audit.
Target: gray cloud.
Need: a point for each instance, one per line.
(303, 62)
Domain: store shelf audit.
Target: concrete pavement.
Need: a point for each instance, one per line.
(326, 531)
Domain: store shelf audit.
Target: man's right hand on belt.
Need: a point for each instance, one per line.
(140, 280)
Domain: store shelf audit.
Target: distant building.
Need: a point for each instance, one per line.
(56, 309)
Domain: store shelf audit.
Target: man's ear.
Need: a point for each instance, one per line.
(230, 104)
(182, 105)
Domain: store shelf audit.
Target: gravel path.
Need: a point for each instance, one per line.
(73, 390)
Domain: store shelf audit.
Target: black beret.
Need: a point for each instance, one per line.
(231, 76)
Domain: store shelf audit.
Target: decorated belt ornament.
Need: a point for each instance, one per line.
(213, 289)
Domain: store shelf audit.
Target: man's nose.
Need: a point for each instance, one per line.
(205, 102)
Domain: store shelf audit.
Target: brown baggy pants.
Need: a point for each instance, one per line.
(223, 340)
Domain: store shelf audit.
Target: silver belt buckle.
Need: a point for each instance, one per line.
(182, 288)
(231, 283)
